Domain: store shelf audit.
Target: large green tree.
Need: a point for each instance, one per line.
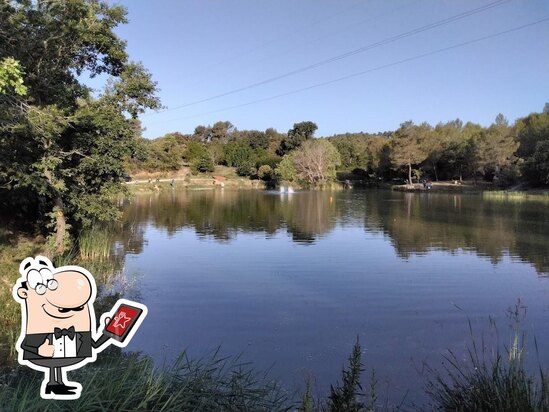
(62, 150)
(532, 133)
(296, 136)
(408, 146)
(492, 152)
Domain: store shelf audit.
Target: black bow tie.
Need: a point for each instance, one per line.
(64, 332)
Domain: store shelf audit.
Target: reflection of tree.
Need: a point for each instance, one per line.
(309, 214)
(414, 223)
(222, 213)
(417, 223)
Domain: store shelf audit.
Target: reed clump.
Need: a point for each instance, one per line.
(492, 380)
(95, 244)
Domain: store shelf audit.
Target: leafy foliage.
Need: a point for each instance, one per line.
(296, 136)
(11, 77)
(408, 145)
(59, 146)
(286, 169)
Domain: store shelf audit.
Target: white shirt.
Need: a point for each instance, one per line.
(65, 347)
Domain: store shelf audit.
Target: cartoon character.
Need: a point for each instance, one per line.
(58, 330)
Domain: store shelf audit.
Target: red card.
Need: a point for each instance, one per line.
(123, 320)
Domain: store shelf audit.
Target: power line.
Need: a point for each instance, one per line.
(377, 68)
(284, 36)
(347, 54)
(297, 46)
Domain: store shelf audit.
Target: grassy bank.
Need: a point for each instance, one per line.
(223, 176)
(14, 248)
(131, 382)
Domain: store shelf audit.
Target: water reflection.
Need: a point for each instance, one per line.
(414, 223)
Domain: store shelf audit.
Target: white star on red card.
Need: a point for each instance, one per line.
(121, 320)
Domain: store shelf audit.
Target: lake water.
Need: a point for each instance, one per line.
(291, 280)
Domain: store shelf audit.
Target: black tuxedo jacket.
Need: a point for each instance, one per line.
(33, 341)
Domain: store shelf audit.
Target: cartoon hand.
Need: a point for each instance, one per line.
(46, 350)
(107, 320)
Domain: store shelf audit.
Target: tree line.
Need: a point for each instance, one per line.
(64, 150)
(501, 153)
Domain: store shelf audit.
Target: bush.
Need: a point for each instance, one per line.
(203, 164)
(265, 172)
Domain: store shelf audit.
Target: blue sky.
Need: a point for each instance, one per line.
(203, 48)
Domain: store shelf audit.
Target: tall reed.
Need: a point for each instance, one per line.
(490, 380)
(95, 244)
(130, 382)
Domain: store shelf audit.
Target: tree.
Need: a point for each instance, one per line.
(221, 131)
(165, 153)
(274, 138)
(203, 163)
(349, 153)
(258, 140)
(296, 136)
(202, 133)
(316, 161)
(286, 168)
(265, 172)
(501, 120)
(240, 155)
(439, 142)
(11, 77)
(493, 151)
(62, 150)
(536, 168)
(407, 145)
(529, 131)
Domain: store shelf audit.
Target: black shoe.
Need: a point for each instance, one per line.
(59, 389)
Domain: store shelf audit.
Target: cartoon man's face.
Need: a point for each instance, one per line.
(59, 300)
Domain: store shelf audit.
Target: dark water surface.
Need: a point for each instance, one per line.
(290, 281)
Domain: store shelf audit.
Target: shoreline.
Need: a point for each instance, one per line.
(210, 182)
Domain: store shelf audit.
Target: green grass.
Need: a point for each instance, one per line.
(130, 382)
(95, 244)
(516, 196)
(13, 249)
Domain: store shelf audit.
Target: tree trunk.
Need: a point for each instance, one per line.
(435, 170)
(460, 175)
(410, 174)
(60, 226)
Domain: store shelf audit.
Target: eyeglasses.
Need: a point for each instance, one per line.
(51, 284)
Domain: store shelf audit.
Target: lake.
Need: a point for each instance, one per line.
(291, 280)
